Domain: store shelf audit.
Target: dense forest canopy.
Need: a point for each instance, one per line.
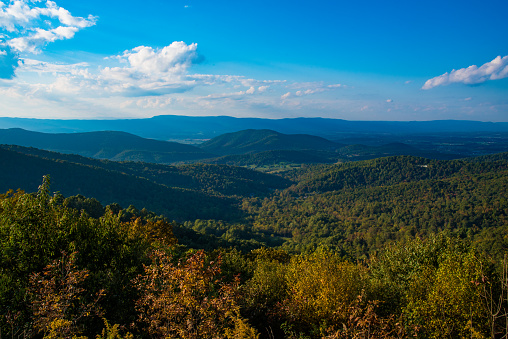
(389, 248)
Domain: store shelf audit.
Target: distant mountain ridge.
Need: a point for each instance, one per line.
(166, 127)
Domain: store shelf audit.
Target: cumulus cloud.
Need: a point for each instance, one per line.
(494, 70)
(175, 58)
(142, 77)
(142, 71)
(151, 71)
(31, 27)
(22, 14)
(41, 37)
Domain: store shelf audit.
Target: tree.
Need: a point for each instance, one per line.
(57, 302)
(187, 300)
(321, 287)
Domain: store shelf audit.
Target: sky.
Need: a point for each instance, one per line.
(352, 60)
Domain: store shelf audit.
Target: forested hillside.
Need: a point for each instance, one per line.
(259, 149)
(275, 158)
(252, 141)
(180, 193)
(107, 186)
(265, 147)
(112, 145)
(216, 180)
(359, 207)
(393, 247)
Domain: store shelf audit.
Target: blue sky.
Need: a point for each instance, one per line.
(370, 60)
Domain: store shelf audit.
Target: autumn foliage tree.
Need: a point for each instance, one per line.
(57, 305)
(187, 300)
(35, 229)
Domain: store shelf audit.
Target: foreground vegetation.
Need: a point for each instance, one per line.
(115, 273)
(394, 247)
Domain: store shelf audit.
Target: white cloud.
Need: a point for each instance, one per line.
(65, 17)
(175, 58)
(389, 100)
(224, 95)
(133, 80)
(313, 91)
(494, 70)
(144, 81)
(33, 42)
(301, 93)
(154, 102)
(31, 65)
(24, 21)
(285, 96)
(22, 14)
(307, 88)
(237, 80)
(151, 71)
(140, 72)
(18, 13)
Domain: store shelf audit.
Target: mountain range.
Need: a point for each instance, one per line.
(167, 127)
(244, 148)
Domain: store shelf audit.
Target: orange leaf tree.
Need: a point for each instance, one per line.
(187, 300)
